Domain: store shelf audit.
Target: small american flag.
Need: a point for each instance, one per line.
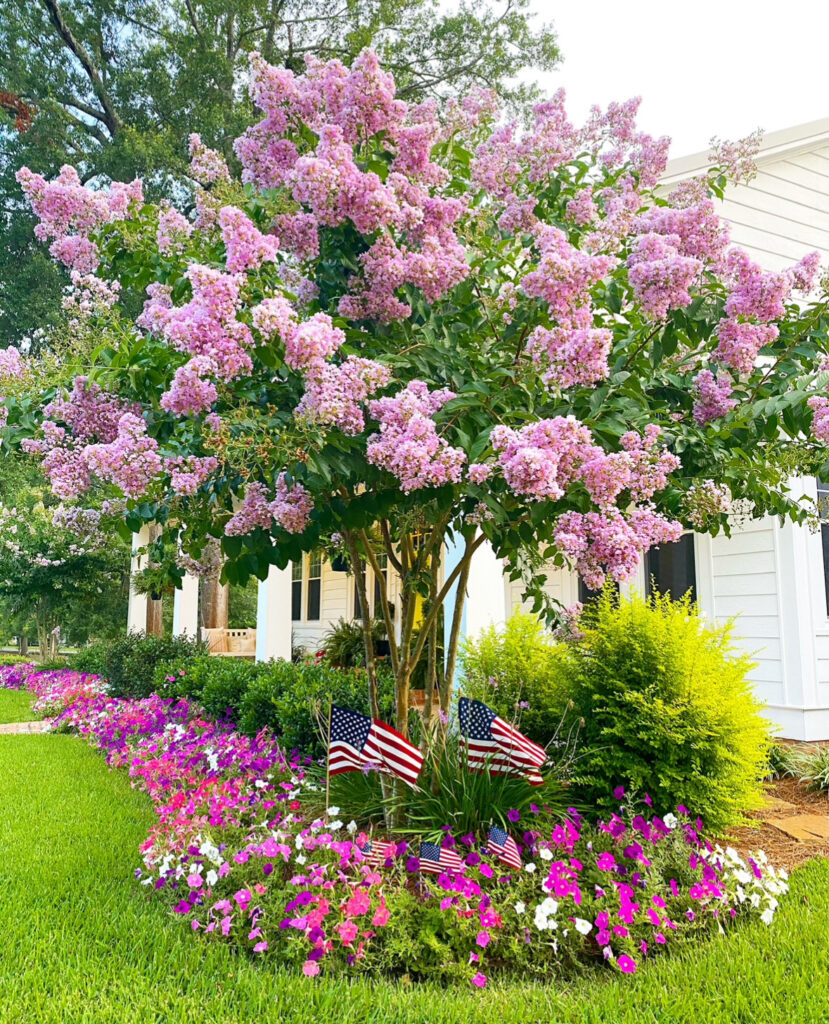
(376, 854)
(494, 744)
(359, 742)
(501, 845)
(435, 859)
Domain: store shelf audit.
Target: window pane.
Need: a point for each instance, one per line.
(296, 570)
(314, 594)
(296, 600)
(671, 569)
(315, 565)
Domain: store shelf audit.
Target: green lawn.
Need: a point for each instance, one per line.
(16, 706)
(81, 943)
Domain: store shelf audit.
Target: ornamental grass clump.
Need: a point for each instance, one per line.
(238, 854)
(665, 706)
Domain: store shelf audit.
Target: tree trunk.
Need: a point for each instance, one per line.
(216, 604)
(155, 622)
(23, 643)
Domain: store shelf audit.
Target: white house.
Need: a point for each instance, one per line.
(773, 578)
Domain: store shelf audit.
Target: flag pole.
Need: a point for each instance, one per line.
(328, 759)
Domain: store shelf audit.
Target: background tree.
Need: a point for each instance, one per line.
(56, 564)
(115, 88)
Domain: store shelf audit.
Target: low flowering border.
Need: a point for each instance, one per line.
(235, 852)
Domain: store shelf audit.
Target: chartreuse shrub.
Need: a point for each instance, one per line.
(518, 672)
(665, 707)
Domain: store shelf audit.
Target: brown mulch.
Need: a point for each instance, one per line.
(783, 851)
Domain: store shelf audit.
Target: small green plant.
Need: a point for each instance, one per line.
(812, 767)
(783, 761)
(518, 671)
(344, 645)
(449, 795)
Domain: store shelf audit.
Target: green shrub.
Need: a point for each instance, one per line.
(217, 684)
(53, 665)
(91, 658)
(665, 707)
(290, 699)
(15, 659)
(129, 662)
(516, 666)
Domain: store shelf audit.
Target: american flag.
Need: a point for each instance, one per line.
(359, 742)
(501, 845)
(493, 743)
(376, 854)
(435, 859)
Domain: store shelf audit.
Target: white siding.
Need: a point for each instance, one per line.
(561, 585)
(737, 579)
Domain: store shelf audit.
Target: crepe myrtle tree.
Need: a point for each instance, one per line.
(408, 325)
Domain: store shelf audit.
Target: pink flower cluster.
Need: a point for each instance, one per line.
(69, 212)
(572, 356)
(189, 472)
(290, 508)
(564, 274)
(712, 396)
(207, 324)
(12, 365)
(335, 394)
(331, 189)
(610, 543)
(820, 419)
(245, 246)
(660, 275)
(543, 459)
(408, 445)
(206, 165)
(130, 461)
(173, 230)
(70, 453)
(191, 391)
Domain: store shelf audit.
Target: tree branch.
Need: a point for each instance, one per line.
(113, 121)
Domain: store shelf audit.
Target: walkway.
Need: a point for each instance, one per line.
(23, 727)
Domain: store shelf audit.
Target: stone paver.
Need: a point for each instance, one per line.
(23, 727)
(804, 827)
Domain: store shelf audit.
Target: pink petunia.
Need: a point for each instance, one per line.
(479, 980)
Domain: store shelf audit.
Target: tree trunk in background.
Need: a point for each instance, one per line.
(24, 644)
(215, 604)
(155, 623)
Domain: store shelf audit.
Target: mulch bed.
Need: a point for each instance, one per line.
(783, 851)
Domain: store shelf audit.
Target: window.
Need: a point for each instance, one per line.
(823, 512)
(671, 569)
(306, 575)
(314, 585)
(378, 581)
(296, 591)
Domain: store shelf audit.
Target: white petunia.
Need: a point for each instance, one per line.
(582, 927)
(301, 858)
(767, 916)
(333, 812)
(211, 877)
(351, 827)
(520, 907)
(529, 868)
(545, 854)
(671, 820)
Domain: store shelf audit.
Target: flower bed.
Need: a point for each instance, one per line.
(238, 852)
(13, 677)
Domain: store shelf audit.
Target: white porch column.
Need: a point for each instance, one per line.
(137, 606)
(485, 593)
(273, 616)
(186, 607)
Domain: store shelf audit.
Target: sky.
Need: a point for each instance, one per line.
(704, 68)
